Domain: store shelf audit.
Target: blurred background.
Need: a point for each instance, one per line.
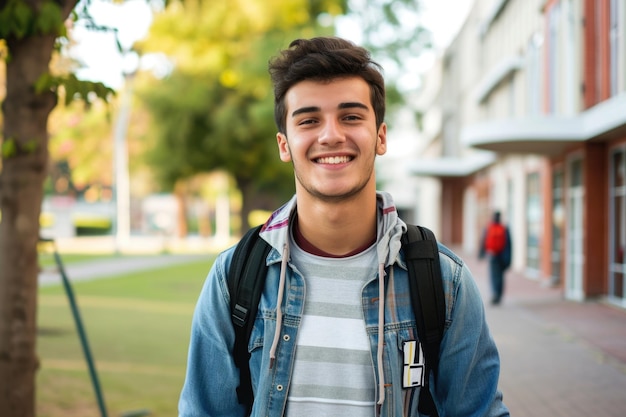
(510, 105)
(494, 105)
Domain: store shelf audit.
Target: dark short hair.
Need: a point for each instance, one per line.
(324, 59)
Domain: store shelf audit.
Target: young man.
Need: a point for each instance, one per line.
(335, 317)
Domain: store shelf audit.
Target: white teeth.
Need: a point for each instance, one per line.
(334, 160)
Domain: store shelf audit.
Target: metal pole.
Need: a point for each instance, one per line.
(122, 186)
(80, 328)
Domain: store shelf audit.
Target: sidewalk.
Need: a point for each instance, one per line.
(112, 266)
(558, 357)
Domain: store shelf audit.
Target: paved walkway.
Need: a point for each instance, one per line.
(559, 358)
(112, 266)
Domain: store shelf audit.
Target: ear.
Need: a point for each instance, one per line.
(283, 147)
(381, 141)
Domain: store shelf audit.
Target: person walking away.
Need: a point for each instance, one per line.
(496, 246)
(335, 333)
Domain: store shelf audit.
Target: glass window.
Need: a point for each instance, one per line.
(619, 175)
(577, 173)
(534, 71)
(617, 265)
(618, 47)
(575, 258)
(558, 223)
(618, 194)
(599, 28)
(618, 291)
(614, 46)
(620, 239)
(533, 221)
(553, 53)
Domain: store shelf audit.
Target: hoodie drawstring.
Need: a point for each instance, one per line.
(381, 333)
(279, 302)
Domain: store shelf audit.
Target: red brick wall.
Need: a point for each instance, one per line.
(595, 221)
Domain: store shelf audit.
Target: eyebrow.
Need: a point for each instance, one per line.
(351, 105)
(313, 109)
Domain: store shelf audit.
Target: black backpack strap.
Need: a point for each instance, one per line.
(428, 300)
(246, 279)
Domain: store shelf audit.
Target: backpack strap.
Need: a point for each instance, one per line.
(428, 300)
(246, 279)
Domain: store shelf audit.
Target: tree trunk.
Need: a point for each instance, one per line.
(246, 187)
(182, 222)
(24, 168)
(252, 200)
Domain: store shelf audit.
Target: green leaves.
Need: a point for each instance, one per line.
(49, 19)
(18, 19)
(10, 147)
(215, 110)
(74, 88)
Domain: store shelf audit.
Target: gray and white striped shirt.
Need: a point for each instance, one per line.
(333, 373)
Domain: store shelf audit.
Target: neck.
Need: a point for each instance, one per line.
(338, 229)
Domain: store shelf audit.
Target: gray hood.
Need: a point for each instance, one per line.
(390, 228)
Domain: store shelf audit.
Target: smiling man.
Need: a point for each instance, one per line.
(332, 138)
(335, 324)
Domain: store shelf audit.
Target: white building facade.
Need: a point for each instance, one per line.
(530, 119)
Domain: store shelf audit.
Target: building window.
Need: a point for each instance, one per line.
(599, 47)
(570, 99)
(510, 201)
(558, 224)
(575, 257)
(534, 71)
(617, 39)
(553, 60)
(533, 222)
(617, 262)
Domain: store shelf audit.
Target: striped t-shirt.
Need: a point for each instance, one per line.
(333, 373)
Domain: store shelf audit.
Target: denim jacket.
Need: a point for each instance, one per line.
(467, 381)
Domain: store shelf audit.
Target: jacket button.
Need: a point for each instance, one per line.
(286, 338)
(279, 387)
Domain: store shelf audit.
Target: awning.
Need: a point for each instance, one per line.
(447, 166)
(549, 135)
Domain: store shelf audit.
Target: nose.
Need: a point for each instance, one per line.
(332, 133)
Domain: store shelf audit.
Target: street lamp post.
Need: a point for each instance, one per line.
(122, 179)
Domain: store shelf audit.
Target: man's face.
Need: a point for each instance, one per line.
(331, 138)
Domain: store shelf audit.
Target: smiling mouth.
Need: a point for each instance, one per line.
(333, 160)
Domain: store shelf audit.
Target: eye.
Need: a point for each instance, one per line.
(352, 117)
(306, 122)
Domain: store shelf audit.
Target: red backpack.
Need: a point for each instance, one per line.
(495, 240)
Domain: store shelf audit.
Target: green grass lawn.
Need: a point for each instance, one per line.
(137, 326)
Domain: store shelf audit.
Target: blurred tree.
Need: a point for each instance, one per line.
(202, 126)
(81, 138)
(215, 110)
(394, 32)
(29, 33)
